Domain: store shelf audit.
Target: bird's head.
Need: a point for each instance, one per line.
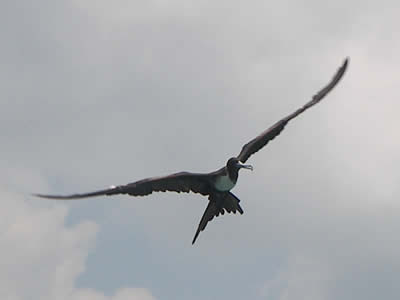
(233, 165)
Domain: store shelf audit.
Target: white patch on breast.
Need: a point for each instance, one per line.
(224, 183)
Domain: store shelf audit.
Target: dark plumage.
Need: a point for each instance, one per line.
(216, 185)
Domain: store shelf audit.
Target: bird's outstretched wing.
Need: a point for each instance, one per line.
(260, 141)
(180, 182)
(215, 207)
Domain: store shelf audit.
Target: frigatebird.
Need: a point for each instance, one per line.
(216, 185)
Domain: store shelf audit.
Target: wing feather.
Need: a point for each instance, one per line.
(261, 140)
(180, 182)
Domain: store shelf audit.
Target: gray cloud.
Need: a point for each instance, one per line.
(95, 93)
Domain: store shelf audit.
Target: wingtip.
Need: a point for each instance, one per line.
(339, 74)
(37, 195)
(345, 63)
(53, 197)
(42, 196)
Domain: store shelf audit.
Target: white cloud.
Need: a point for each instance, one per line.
(41, 258)
(122, 294)
(301, 278)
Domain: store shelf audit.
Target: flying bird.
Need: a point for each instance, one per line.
(215, 185)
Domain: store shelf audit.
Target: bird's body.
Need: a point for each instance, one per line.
(224, 183)
(216, 185)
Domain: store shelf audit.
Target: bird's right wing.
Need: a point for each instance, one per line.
(180, 182)
(260, 141)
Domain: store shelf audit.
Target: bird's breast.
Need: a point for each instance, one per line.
(224, 183)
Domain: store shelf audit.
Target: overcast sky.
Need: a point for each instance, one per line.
(95, 93)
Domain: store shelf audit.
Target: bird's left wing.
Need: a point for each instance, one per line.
(260, 141)
(180, 182)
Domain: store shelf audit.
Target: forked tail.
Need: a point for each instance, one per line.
(218, 204)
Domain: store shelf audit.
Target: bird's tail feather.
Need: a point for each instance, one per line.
(215, 207)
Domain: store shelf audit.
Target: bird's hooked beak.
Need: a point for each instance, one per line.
(248, 167)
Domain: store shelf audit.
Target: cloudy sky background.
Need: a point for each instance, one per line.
(95, 93)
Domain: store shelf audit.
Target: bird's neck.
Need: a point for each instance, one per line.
(233, 174)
